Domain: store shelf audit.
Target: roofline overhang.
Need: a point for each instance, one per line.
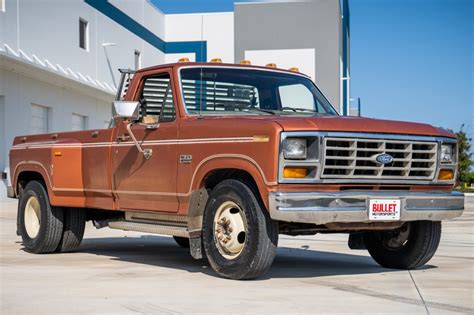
(37, 72)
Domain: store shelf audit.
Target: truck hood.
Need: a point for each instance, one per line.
(334, 123)
(359, 124)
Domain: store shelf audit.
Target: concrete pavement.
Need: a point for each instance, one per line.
(128, 272)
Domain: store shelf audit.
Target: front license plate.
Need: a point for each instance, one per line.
(384, 209)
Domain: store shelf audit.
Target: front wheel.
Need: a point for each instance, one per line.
(240, 238)
(409, 247)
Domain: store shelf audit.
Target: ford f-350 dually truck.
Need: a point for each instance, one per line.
(225, 157)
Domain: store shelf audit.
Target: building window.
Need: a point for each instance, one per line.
(84, 34)
(138, 59)
(40, 122)
(79, 122)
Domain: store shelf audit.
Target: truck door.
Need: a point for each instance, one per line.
(141, 183)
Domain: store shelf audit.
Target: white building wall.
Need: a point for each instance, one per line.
(49, 29)
(215, 28)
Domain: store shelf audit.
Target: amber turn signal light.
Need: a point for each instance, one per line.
(446, 175)
(295, 172)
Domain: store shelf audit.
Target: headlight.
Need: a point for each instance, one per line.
(294, 149)
(447, 153)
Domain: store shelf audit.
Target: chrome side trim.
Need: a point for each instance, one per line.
(149, 228)
(323, 207)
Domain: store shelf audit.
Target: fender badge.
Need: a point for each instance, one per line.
(185, 158)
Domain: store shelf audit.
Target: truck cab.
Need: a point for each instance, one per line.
(226, 157)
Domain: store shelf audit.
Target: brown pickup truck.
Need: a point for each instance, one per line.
(226, 157)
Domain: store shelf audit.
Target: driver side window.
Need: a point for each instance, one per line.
(157, 98)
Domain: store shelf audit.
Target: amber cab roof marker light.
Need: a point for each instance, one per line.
(216, 60)
(294, 69)
(245, 62)
(271, 65)
(184, 59)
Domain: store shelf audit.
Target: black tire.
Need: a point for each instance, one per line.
(261, 236)
(182, 242)
(73, 229)
(50, 220)
(419, 247)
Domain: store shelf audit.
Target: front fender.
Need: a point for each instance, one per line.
(233, 161)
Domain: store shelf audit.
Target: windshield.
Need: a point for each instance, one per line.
(231, 91)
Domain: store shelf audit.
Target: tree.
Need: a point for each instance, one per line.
(465, 162)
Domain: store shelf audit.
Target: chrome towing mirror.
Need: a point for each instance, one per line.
(126, 110)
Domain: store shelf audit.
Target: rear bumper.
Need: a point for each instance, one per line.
(327, 207)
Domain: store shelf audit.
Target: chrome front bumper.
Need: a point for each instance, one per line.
(327, 207)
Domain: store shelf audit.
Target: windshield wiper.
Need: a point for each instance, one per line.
(295, 109)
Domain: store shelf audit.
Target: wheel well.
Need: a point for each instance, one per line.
(216, 176)
(27, 176)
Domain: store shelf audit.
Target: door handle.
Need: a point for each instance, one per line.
(152, 126)
(123, 138)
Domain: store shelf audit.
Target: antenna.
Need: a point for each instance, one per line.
(109, 64)
(201, 73)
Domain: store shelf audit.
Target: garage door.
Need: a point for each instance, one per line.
(78, 122)
(39, 119)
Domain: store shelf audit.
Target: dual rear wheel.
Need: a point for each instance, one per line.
(45, 228)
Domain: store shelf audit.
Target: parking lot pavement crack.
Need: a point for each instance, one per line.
(419, 293)
(149, 308)
(390, 297)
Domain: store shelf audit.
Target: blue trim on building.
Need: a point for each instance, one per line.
(199, 48)
(345, 56)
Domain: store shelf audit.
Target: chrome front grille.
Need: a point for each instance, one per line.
(355, 158)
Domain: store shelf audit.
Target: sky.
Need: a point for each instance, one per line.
(410, 59)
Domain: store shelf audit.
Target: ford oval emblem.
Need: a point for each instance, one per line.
(384, 158)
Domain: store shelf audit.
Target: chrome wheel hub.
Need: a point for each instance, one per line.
(230, 229)
(32, 217)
